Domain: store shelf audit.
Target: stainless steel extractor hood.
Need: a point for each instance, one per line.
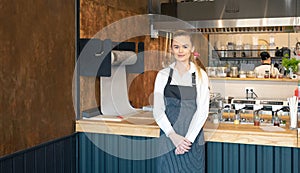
(286, 24)
(211, 16)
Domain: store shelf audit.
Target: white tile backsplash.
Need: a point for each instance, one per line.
(263, 89)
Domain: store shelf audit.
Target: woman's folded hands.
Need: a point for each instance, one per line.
(182, 144)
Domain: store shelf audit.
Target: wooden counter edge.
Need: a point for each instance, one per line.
(117, 128)
(298, 137)
(255, 136)
(284, 139)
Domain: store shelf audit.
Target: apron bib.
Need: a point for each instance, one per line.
(181, 105)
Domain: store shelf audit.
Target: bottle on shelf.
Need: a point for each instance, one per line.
(247, 48)
(272, 46)
(255, 46)
(256, 118)
(276, 120)
(254, 51)
(272, 72)
(296, 92)
(237, 117)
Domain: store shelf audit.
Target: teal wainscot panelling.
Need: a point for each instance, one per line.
(244, 158)
(99, 153)
(127, 154)
(103, 153)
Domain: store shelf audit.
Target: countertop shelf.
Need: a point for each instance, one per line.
(245, 58)
(255, 79)
(249, 134)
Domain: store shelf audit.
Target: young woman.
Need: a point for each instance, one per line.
(181, 103)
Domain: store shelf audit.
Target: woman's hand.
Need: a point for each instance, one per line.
(182, 144)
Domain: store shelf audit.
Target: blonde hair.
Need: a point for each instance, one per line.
(195, 60)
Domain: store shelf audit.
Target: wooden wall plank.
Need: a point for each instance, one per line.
(36, 70)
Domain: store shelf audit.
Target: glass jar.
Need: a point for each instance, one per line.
(239, 49)
(215, 118)
(267, 74)
(242, 74)
(247, 48)
(230, 49)
(234, 72)
(211, 71)
(255, 51)
(223, 51)
(222, 72)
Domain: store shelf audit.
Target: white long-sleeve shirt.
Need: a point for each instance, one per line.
(261, 70)
(202, 101)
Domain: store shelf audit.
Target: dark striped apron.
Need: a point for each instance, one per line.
(181, 105)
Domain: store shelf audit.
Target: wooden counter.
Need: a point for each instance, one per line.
(249, 134)
(143, 124)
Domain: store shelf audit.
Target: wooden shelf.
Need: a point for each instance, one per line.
(255, 79)
(245, 58)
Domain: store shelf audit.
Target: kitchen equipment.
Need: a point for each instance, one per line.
(283, 52)
(216, 102)
(265, 104)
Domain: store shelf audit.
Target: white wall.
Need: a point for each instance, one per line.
(263, 88)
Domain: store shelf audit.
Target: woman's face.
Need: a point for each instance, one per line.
(182, 48)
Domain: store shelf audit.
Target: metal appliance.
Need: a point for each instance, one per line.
(264, 104)
(213, 17)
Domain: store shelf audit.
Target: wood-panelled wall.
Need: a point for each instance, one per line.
(36, 70)
(98, 14)
(95, 15)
